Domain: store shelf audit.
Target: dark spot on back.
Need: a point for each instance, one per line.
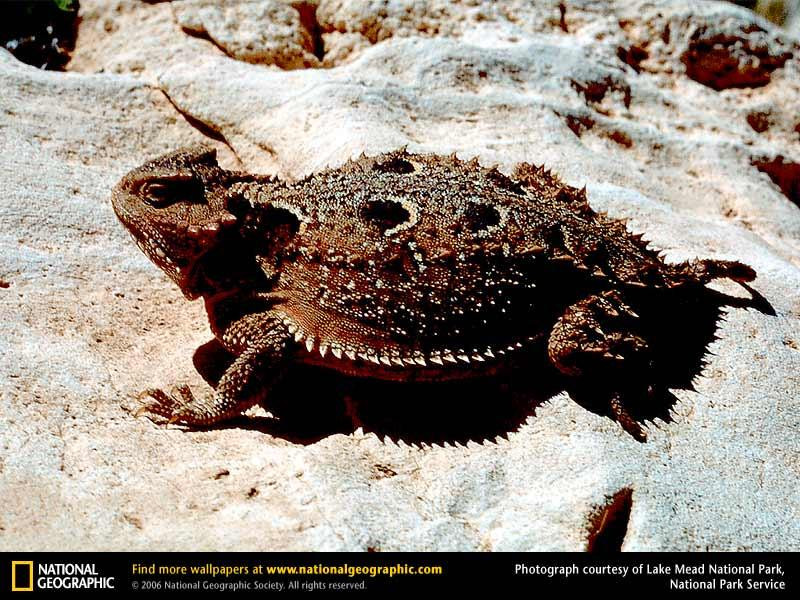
(280, 220)
(505, 183)
(386, 214)
(394, 165)
(269, 229)
(481, 216)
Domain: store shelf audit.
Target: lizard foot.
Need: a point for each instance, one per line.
(180, 406)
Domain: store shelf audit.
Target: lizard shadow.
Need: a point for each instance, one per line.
(312, 403)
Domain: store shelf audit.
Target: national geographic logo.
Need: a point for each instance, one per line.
(25, 576)
(21, 575)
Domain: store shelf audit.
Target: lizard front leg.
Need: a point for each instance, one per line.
(261, 341)
(595, 341)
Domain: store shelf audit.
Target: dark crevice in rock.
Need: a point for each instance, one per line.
(783, 173)
(722, 61)
(578, 123)
(202, 34)
(621, 138)
(562, 21)
(595, 91)
(666, 34)
(632, 56)
(204, 128)
(759, 121)
(308, 19)
(383, 471)
(609, 523)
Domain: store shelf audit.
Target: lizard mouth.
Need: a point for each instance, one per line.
(187, 275)
(190, 280)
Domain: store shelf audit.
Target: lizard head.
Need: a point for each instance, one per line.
(174, 207)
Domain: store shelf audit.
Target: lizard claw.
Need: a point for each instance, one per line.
(162, 404)
(179, 406)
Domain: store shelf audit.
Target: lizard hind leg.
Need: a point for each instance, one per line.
(596, 342)
(706, 270)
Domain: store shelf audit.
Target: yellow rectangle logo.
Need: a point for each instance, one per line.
(25, 584)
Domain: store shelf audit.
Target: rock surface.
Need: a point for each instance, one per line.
(255, 31)
(679, 116)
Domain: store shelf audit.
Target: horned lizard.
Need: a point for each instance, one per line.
(400, 266)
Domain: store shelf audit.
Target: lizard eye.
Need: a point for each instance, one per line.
(163, 192)
(157, 194)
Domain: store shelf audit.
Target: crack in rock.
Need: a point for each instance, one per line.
(308, 19)
(204, 128)
(784, 173)
(608, 524)
(265, 32)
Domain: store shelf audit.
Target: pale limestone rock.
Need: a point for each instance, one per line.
(131, 37)
(268, 32)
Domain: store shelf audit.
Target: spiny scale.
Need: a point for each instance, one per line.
(415, 359)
